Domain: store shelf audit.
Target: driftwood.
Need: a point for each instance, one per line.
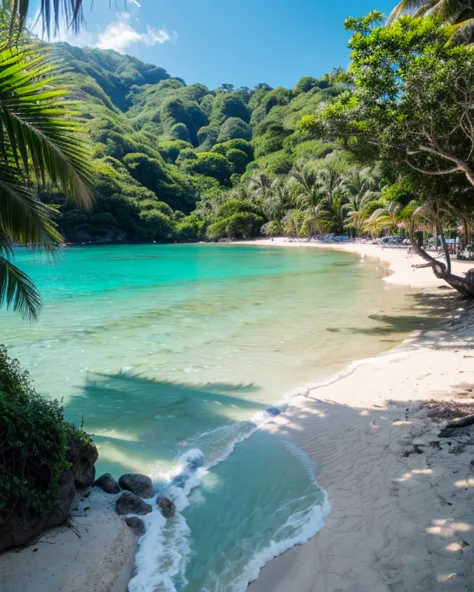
(463, 422)
(450, 430)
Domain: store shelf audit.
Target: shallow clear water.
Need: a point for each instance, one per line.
(171, 356)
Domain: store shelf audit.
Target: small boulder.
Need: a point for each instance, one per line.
(129, 503)
(82, 454)
(166, 506)
(140, 485)
(107, 483)
(136, 524)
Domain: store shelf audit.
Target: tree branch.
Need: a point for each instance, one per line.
(427, 172)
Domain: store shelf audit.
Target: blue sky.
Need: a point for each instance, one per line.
(243, 42)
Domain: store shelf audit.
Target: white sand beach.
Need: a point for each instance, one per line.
(402, 516)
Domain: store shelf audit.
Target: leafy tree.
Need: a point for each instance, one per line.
(179, 131)
(409, 98)
(238, 160)
(207, 137)
(412, 106)
(187, 154)
(305, 84)
(238, 225)
(229, 105)
(228, 88)
(234, 128)
(159, 225)
(237, 144)
(271, 140)
(190, 229)
(210, 164)
(171, 150)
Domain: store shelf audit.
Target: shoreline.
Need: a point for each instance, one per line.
(401, 272)
(401, 496)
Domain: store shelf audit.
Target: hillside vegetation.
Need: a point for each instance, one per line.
(166, 155)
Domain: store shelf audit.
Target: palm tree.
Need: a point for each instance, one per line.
(259, 185)
(385, 218)
(329, 183)
(293, 222)
(279, 199)
(361, 187)
(457, 15)
(335, 211)
(306, 183)
(40, 143)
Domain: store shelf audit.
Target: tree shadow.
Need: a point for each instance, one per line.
(431, 312)
(137, 420)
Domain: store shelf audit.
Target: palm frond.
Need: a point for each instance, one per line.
(462, 32)
(406, 6)
(17, 291)
(38, 129)
(52, 13)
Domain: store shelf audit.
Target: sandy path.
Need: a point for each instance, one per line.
(402, 498)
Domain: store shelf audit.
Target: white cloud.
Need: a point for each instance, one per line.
(119, 35)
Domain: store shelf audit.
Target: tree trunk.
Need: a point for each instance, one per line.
(440, 231)
(465, 231)
(464, 286)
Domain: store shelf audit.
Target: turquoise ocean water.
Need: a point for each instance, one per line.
(174, 355)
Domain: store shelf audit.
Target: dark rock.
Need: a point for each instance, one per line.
(138, 484)
(129, 503)
(166, 506)
(136, 524)
(82, 455)
(107, 483)
(456, 432)
(25, 524)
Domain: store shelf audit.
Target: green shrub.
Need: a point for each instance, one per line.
(34, 439)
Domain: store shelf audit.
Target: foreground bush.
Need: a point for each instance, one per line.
(33, 445)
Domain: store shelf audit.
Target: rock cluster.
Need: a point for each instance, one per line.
(136, 487)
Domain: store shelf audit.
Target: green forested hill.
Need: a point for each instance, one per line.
(165, 154)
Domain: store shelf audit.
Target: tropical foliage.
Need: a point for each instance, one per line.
(456, 15)
(40, 145)
(34, 440)
(410, 109)
(154, 138)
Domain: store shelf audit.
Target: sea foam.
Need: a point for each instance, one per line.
(164, 550)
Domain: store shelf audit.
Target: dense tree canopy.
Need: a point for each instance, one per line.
(154, 137)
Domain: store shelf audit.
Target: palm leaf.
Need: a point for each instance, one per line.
(23, 217)
(51, 12)
(17, 291)
(41, 142)
(406, 6)
(39, 131)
